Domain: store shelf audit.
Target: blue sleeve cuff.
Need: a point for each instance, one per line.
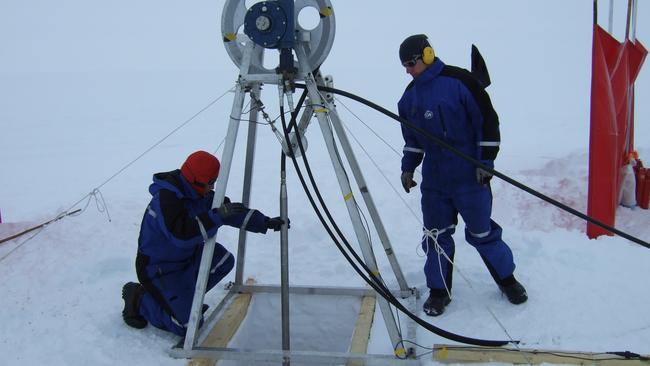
(411, 161)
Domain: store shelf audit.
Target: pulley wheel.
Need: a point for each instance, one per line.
(318, 40)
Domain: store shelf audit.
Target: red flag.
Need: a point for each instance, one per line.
(615, 67)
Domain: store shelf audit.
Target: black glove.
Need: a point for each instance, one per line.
(276, 223)
(483, 176)
(407, 181)
(227, 210)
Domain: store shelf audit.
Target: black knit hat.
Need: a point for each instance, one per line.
(412, 47)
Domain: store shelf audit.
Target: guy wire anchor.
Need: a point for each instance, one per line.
(272, 26)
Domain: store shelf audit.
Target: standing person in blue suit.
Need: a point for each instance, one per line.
(170, 245)
(451, 104)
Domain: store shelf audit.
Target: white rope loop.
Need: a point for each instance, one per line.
(100, 202)
(426, 235)
(433, 236)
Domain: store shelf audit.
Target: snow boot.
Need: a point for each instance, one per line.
(515, 292)
(436, 303)
(132, 294)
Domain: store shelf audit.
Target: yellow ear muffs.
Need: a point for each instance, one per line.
(428, 55)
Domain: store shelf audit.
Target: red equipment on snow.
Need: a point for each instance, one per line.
(642, 185)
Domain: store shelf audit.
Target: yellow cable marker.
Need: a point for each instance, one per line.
(443, 353)
(229, 37)
(320, 110)
(375, 273)
(326, 11)
(347, 196)
(400, 352)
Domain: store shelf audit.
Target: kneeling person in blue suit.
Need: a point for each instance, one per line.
(170, 245)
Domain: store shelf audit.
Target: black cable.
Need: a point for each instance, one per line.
(292, 124)
(317, 192)
(481, 165)
(373, 281)
(629, 355)
(313, 182)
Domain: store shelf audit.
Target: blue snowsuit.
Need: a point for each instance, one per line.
(449, 103)
(170, 248)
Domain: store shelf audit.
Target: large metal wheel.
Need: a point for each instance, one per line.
(318, 40)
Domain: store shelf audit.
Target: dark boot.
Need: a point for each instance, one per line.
(132, 294)
(436, 303)
(514, 291)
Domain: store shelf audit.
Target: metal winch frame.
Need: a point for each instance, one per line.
(273, 25)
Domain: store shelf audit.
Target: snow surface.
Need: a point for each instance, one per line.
(87, 87)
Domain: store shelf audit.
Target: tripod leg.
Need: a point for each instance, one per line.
(357, 223)
(220, 190)
(248, 177)
(367, 197)
(350, 202)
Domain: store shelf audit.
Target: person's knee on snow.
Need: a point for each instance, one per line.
(174, 228)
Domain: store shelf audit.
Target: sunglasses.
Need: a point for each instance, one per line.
(412, 62)
(204, 185)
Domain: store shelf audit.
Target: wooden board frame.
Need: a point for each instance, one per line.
(470, 354)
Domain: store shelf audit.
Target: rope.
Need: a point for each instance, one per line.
(415, 216)
(397, 153)
(23, 243)
(163, 139)
(368, 127)
(433, 235)
(100, 203)
(41, 227)
(210, 104)
(261, 108)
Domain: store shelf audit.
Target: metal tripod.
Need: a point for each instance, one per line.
(249, 83)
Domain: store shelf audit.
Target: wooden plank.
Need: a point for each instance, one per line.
(225, 328)
(469, 354)
(361, 336)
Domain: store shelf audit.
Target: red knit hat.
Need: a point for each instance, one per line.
(201, 170)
